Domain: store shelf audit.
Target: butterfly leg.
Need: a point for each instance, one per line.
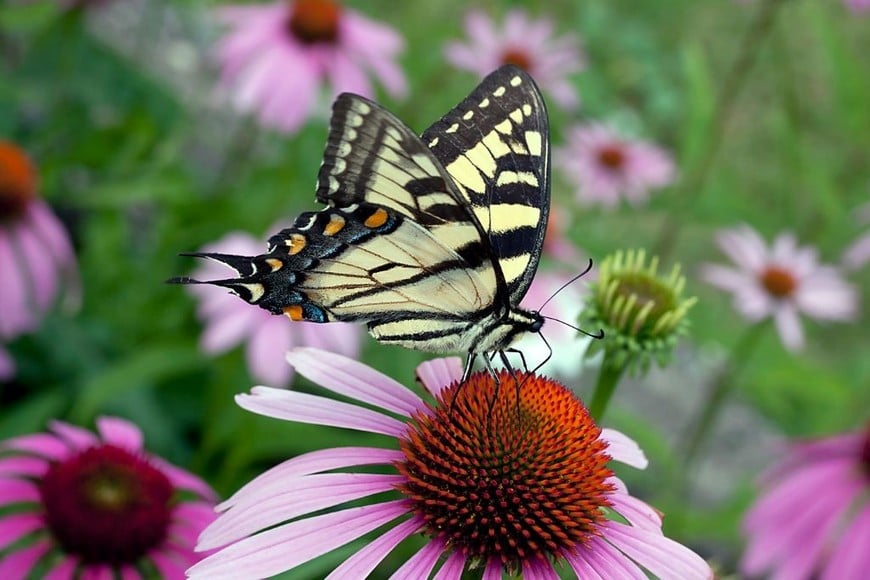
(507, 363)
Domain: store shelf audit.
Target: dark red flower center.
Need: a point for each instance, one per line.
(107, 505)
(17, 181)
(612, 157)
(314, 21)
(779, 282)
(500, 477)
(517, 57)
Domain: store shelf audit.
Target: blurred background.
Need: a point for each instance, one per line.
(146, 145)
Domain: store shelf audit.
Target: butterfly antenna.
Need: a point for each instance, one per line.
(566, 284)
(549, 352)
(597, 336)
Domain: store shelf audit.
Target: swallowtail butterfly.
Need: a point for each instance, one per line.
(430, 241)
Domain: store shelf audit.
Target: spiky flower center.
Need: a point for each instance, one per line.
(517, 57)
(107, 505)
(612, 157)
(314, 21)
(17, 181)
(504, 471)
(778, 281)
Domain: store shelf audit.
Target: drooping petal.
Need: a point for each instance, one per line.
(660, 555)
(436, 374)
(850, 558)
(361, 564)
(421, 563)
(624, 449)
(285, 547)
(120, 432)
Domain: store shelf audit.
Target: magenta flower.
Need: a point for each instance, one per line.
(781, 282)
(502, 479)
(275, 58)
(229, 321)
(529, 44)
(606, 167)
(36, 256)
(857, 6)
(79, 505)
(813, 518)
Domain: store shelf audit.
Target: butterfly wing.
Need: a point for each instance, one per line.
(495, 147)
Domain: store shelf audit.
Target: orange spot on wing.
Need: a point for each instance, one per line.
(275, 264)
(296, 243)
(377, 219)
(294, 312)
(335, 225)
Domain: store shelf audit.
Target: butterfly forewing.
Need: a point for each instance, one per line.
(495, 146)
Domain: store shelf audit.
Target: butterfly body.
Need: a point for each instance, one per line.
(430, 241)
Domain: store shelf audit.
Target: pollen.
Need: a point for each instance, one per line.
(314, 21)
(335, 225)
(294, 312)
(296, 243)
(778, 282)
(377, 219)
(506, 471)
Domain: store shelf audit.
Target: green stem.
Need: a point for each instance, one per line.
(608, 378)
(696, 176)
(724, 383)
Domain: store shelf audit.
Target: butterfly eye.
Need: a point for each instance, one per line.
(537, 324)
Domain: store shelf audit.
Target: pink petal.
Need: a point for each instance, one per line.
(638, 513)
(42, 270)
(315, 410)
(300, 496)
(662, 556)
(353, 379)
(313, 462)
(76, 437)
(850, 558)
(340, 337)
(42, 444)
(857, 254)
(182, 479)
(622, 448)
(346, 76)
(287, 546)
(97, 572)
(608, 562)
(726, 278)
(22, 466)
(452, 567)
(64, 570)
(231, 328)
(17, 491)
(538, 570)
(15, 526)
(438, 374)
(129, 573)
(266, 350)
(120, 432)
(16, 317)
(745, 248)
(168, 567)
(361, 564)
(421, 564)
(21, 563)
(493, 570)
(788, 325)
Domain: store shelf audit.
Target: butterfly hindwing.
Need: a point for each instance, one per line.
(495, 146)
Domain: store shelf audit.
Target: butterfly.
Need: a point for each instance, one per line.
(430, 241)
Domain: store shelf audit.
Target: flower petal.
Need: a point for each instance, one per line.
(624, 449)
(15, 526)
(305, 408)
(421, 563)
(361, 564)
(662, 556)
(21, 563)
(287, 546)
(120, 432)
(439, 373)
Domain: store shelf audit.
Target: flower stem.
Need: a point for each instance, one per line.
(608, 378)
(695, 177)
(721, 388)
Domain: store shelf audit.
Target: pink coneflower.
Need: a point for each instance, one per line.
(530, 44)
(813, 518)
(781, 282)
(276, 57)
(499, 478)
(229, 321)
(606, 167)
(79, 505)
(858, 6)
(36, 256)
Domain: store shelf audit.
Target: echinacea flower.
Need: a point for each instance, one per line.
(858, 6)
(276, 58)
(80, 505)
(496, 476)
(780, 282)
(36, 256)
(606, 167)
(641, 311)
(525, 42)
(813, 517)
(229, 321)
